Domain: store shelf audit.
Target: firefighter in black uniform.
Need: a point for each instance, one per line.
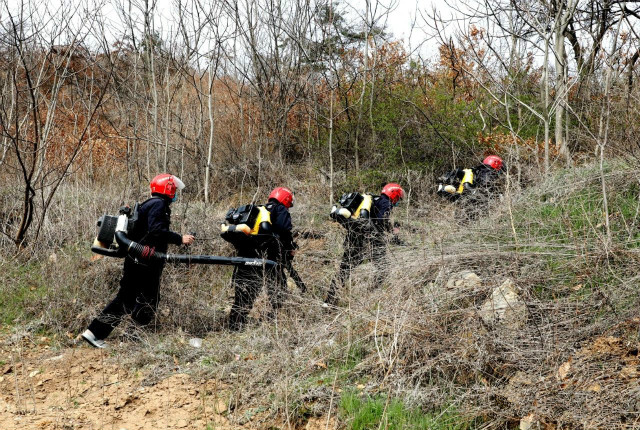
(368, 239)
(277, 246)
(473, 187)
(140, 283)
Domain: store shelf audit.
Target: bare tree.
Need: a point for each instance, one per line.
(509, 30)
(53, 88)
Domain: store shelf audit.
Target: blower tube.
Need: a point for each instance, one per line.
(145, 252)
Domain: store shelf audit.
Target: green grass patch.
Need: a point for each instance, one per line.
(354, 355)
(369, 413)
(21, 286)
(569, 209)
(562, 224)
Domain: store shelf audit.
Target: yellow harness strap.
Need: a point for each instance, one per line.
(263, 215)
(467, 178)
(366, 205)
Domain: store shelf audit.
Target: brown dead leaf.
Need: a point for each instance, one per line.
(563, 370)
(594, 388)
(630, 372)
(96, 257)
(605, 345)
(320, 364)
(527, 422)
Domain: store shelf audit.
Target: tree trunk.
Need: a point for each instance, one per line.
(603, 132)
(561, 95)
(207, 173)
(365, 68)
(331, 148)
(545, 68)
(562, 19)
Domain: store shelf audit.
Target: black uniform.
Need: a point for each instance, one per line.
(248, 280)
(140, 283)
(485, 181)
(365, 239)
(475, 196)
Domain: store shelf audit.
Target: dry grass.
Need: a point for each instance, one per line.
(415, 339)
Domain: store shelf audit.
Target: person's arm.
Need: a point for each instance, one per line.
(384, 208)
(282, 226)
(286, 234)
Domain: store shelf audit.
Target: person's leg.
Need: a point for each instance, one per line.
(122, 304)
(380, 261)
(351, 257)
(148, 297)
(338, 281)
(276, 288)
(247, 285)
(464, 211)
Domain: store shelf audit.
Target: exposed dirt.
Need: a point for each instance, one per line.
(85, 388)
(602, 373)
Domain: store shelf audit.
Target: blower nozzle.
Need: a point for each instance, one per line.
(112, 241)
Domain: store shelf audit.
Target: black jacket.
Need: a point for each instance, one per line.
(485, 178)
(281, 227)
(152, 227)
(381, 211)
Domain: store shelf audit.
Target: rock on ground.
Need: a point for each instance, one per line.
(465, 279)
(504, 306)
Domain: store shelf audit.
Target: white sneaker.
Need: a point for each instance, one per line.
(91, 338)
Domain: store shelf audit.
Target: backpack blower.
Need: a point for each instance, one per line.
(112, 241)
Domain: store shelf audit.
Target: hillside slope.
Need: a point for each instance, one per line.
(526, 317)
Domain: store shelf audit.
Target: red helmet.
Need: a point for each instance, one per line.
(166, 184)
(283, 195)
(493, 161)
(394, 192)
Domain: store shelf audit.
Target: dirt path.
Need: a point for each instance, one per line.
(83, 388)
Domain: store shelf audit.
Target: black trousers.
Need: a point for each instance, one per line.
(138, 296)
(359, 246)
(248, 282)
(471, 207)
